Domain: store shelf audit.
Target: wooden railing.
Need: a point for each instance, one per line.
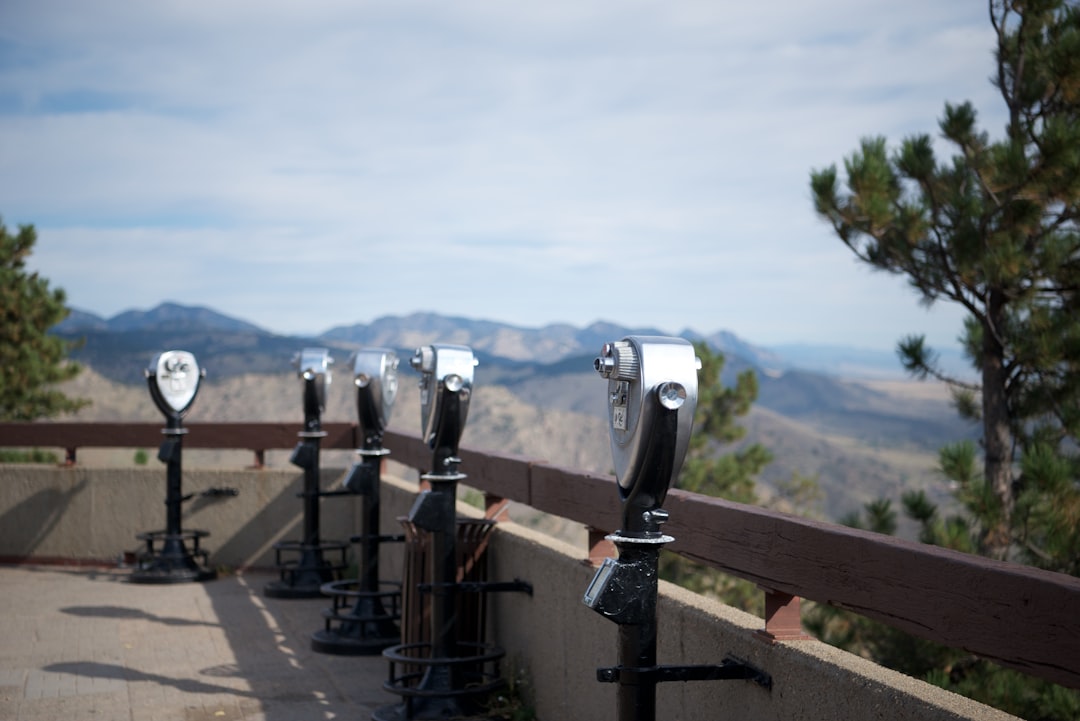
(1019, 616)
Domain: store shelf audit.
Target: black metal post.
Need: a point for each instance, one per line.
(636, 698)
(652, 393)
(310, 441)
(304, 577)
(368, 572)
(368, 627)
(311, 496)
(441, 690)
(313, 569)
(443, 579)
(171, 561)
(174, 496)
(625, 591)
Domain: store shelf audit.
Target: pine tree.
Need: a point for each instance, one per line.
(705, 470)
(31, 360)
(995, 229)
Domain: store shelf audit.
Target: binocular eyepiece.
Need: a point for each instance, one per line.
(375, 375)
(652, 396)
(313, 367)
(446, 380)
(174, 377)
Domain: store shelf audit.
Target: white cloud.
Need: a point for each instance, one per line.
(642, 162)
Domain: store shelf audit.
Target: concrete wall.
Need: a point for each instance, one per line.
(558, 644)
(93, 514)
(554, 643)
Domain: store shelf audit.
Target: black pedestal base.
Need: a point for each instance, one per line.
(366, 628)
(282, 589)
(166, 573)
(432, 708)
(441, 688)
(304, 578)
(172, 562)
(337, 643)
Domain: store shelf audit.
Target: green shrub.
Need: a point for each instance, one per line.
(34, 455)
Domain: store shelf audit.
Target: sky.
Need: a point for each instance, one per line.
(307, 165)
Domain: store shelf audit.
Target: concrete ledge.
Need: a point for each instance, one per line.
(558, 644)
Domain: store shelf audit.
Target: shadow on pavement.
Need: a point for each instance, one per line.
(129, 613)
(271, 641)
(94, 669)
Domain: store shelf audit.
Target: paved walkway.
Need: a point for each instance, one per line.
(83, 644)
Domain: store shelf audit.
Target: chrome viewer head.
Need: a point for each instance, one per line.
(174, 377)
(375, 374)
(313, 367)
(445, 390)
(652, 395)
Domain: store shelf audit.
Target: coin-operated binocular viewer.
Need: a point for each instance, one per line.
(652, 395)
(447, 677)
(303, 565)
(174, 378)
(370, 625)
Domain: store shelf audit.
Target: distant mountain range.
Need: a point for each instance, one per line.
(863, 436)
(202, 329)
(172, 315)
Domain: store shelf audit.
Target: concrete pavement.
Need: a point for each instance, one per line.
(82, 643)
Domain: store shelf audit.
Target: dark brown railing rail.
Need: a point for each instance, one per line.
(1018, 616)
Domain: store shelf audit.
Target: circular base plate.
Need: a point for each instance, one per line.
(280, 589)
(435, 709)
(171, 575)
(340, 645)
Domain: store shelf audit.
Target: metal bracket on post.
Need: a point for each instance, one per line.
(730, 669)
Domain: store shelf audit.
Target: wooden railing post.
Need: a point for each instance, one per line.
(496, 508)
(599, 547)
(783, 618)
